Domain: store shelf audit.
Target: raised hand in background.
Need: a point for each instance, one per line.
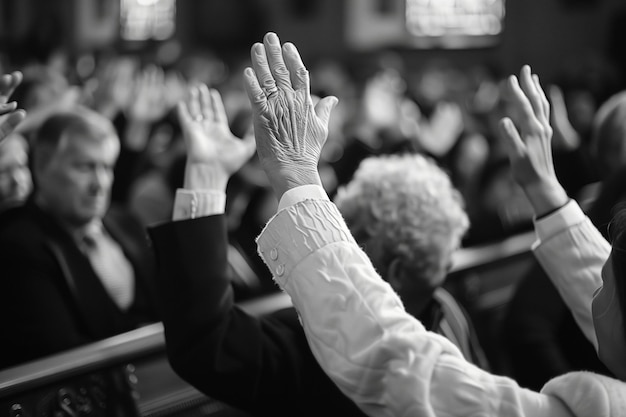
(213, 152)
(527, 135)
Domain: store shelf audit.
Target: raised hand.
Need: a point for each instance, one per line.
(111, 87)
(149, 102)
(213, 152)
(527, 135)
(290, 131)
(10, 117)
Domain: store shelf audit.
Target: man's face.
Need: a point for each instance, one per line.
(75, 185)
(15, 179)
(608, 321)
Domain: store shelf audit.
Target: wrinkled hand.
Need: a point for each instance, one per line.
(527, 135)
(290, 131)
(213, 152)
(10, 117)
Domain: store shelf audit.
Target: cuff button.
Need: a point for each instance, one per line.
(280, 270)
(274, 254)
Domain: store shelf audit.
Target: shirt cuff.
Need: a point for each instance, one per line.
(296, 232)
(568, 215)
(302, 193)
(190, 204)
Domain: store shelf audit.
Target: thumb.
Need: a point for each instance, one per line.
(324, 107)
(250, 141)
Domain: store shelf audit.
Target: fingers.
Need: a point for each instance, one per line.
(297, 71)
(253, 89)
(205, 104)
(513, 142)
(8, 83)
(219, 112)
(324, 107)
(530, 86)
(262, 70)
(275, 59)
(249, 142)
(10, 123)
(194, 103)
(8, 107)
(544, 100)
(522, 105)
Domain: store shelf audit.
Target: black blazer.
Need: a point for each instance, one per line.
(52, 298)
(262, 365)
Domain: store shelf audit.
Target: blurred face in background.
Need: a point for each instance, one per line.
(75, 183)
(15, 179)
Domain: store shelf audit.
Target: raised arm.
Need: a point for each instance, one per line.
(570, 249)
(379, 356)
(260, 364)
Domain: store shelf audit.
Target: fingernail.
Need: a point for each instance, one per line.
(272, 39)
(290, 47)
(11, 105)
(248, 72)
(259, 49)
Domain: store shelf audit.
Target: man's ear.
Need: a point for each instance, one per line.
(394, 274)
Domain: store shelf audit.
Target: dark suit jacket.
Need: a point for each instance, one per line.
(52, 299)
(262, 365)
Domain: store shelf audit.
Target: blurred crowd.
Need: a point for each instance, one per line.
(441, 111)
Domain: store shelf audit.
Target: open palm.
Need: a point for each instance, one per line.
(207, 134)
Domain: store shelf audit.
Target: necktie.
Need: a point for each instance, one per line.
(111, 266)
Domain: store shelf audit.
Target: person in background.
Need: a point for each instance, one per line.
(74, 270)
(541, 335)
(403, 210)
(357, 327)
(408, 217)
(10, 115)
(15, 179)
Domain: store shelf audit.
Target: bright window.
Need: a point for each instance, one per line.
(147, 19)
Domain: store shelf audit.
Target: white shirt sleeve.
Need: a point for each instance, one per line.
(190, 204)
(572, 252)
(304, 192)
(379, 356)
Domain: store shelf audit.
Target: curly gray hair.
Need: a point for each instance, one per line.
(404, 207)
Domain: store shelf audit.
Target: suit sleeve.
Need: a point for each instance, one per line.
(256, 364)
